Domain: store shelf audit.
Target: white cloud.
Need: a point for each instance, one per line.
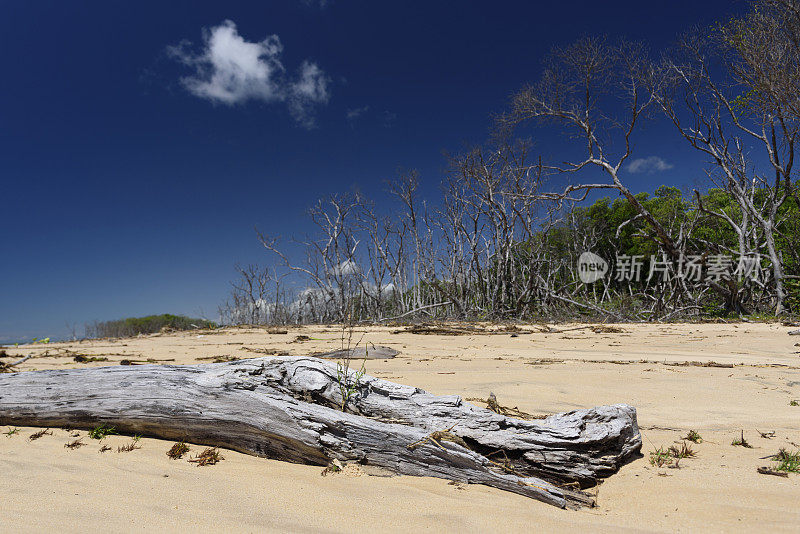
(310, 89)
(353, 114)
(346, 268)
(230, 70)
(648, 165)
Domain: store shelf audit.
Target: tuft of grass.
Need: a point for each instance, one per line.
(334, 467)
(741, 442)
(210, 456)
(682, 451)
(102, 431)
(794, 403)
(76, 444)
(133, 445)
(39, 434)
(178, 450)
(11, 432)
(787, 462)
(693, 436)
(660, 457)
(104, 448)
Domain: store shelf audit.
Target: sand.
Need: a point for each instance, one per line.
(662, 370)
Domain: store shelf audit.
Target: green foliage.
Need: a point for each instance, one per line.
(788, 462)
(150, 324)
(616, 231)
(102, 431)
(660, 457)
(349, 382)
(694, 437)
(684, 450)
(178, 450)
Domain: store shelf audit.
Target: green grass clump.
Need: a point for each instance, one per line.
(684, 450)
(178, 450)
(788, 462)
(693, 436)
(660, 457)
(102, 431)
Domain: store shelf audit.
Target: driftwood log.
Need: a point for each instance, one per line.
(289, 408)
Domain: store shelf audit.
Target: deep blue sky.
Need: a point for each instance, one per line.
(124, 194)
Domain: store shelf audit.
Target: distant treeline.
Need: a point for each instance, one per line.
(132, 326)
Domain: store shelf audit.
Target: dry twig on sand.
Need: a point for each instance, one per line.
(492, 404)
(7, 367)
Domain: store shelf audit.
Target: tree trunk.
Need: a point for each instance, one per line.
(286, 408)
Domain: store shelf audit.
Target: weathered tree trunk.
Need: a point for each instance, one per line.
(286, 408)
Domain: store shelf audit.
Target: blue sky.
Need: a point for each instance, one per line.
(133, 168)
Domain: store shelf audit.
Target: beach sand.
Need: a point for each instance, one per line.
(717, 379)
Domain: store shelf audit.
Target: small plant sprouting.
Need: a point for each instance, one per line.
(76, 444)
(133, 445)
(684, 450)
(348, 382)
(178, 450)
(39, 434)
(741, 442)
(11, 432)
(660, 457)
(693, 436)
(334, 467)
(788, 462)
(794, 403)
(102, 431)
(210, 456)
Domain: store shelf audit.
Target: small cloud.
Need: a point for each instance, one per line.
(353, 114)
(230, 70)
(310, 89)
(648, 165)
(322, 4)
(388, 119)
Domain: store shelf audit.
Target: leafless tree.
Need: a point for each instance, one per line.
(732, 95)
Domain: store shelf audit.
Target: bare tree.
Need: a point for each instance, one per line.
(735, 93)
(579, 89)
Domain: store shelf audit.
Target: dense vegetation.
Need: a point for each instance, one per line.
(604, 222)
(132, 326)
